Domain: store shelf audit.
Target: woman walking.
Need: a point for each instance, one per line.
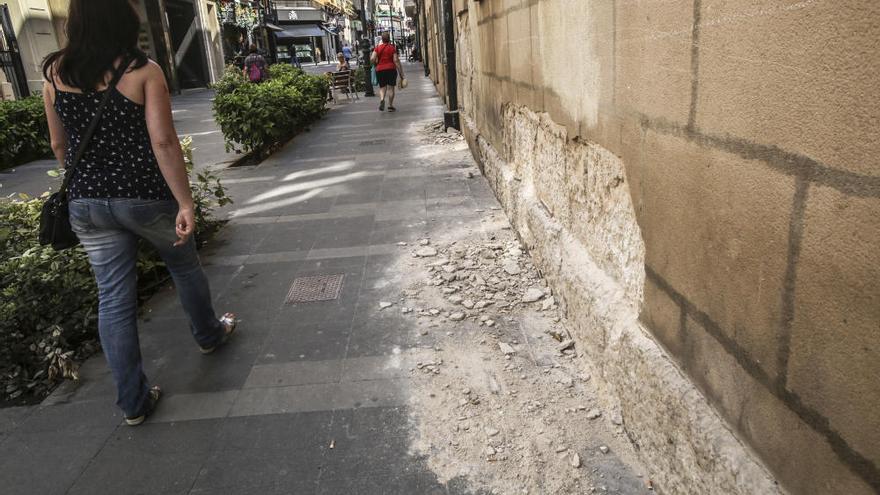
(129, 183)
(387, 63)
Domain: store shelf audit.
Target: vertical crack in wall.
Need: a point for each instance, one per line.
(695, 66)
(795, 236)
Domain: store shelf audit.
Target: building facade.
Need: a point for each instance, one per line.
(31, 29)
(313, 31)
(183, 36)
(698, 180)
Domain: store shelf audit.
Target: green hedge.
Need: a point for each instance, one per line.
(360, 83)
(49, 300)
(24, 133)
(259, 117)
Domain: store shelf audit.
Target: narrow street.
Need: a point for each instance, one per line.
(394, 384)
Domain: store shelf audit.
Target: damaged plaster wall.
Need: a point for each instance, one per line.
(581, 230)
(698, 181)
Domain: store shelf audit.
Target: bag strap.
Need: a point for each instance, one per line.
(93, 126)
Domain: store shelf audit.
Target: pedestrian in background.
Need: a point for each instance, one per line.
(255, 65)
(346, 52)
(388, 67)
(129, 183)
(317, 55)
(342, 62)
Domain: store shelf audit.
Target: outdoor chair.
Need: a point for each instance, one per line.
(342, 82)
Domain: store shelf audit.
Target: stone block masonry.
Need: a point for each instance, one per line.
(698, 181)
(587, 243)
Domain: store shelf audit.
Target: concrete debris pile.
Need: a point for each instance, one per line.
(482, 283)
(434, 133)
(512, 411)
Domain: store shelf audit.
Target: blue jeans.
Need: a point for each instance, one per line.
(109, 230)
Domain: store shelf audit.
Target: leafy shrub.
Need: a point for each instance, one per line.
(360, 84)
(49, 300)
(24, 132)
(259, 117)
(207, 191)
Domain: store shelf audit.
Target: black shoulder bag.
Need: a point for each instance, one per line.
(55, 229)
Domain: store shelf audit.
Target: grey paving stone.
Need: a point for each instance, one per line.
(285, 400)
(190, 407)
(348, 265)
(289, 238)
(382, 367)
(295, 487)
(48, 461)
(367, 191)
(76, 417)
(387, 344)
(235, 239)
(336, 312)
(297, 204)
(393, 483)
(127, 470)
(12, 417)
(379, 264)
(371, 422)
(294, 341)
(197, 437)
(277, 433)
(248, 468)
(362, 457)
(394, 231)
(183, 370)
(373, 393)
(339, 252)
(295, 373)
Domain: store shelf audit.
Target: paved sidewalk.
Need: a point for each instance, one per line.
(303, 400)
(193, 116)
(307, 398)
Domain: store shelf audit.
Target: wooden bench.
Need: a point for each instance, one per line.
(342, 81)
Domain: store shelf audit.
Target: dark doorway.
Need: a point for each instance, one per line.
(186, 41)
(10, 57)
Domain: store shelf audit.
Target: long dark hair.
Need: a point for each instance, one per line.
(98, 33)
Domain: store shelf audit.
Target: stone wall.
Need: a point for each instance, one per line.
(699, 181)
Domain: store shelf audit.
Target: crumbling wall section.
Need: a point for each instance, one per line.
(744, 131)
(571, 205)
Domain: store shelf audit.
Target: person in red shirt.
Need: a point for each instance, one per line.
(387, 63)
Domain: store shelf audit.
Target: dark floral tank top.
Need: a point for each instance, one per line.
(119, 160)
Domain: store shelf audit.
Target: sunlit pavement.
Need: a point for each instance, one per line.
(303, 399)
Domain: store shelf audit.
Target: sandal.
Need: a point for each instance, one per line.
(229, 322)
(382, 106)
(392, 109)
(155, 395)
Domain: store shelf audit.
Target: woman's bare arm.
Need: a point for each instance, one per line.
(57, 134)
(166, 147)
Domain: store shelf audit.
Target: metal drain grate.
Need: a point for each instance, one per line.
(311, 289)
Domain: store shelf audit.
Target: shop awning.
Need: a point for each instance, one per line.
(300, 31)
(273, 27)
